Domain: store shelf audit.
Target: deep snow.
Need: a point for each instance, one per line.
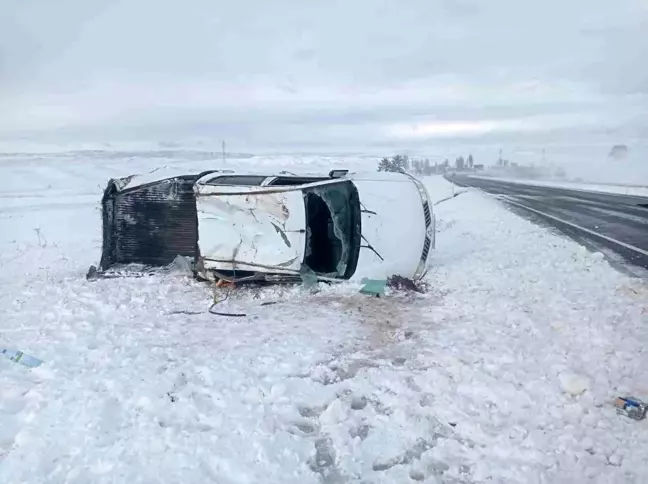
(504, 371)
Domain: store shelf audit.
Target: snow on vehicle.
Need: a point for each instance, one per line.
(249, 227)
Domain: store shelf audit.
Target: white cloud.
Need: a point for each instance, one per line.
(451, 128)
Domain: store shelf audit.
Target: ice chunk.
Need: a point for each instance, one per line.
(573, 383)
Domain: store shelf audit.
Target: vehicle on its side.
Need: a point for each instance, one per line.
(250, 227)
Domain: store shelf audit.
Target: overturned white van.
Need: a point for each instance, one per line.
(248, 227)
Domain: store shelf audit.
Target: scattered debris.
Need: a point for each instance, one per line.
(182, 265)
(189, 313)
(631, 407)
(454, 195)
(222, 313)
(404, 284)
(373, 287)
(309, 279)
(21, 358)
(232, 312)
(91, 275)
(129, 270)
(225, 283)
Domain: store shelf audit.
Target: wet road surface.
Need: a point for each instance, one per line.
(616, 225)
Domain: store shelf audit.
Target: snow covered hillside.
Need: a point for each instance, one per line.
(503, 372)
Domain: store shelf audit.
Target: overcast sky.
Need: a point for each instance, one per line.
(348, 72)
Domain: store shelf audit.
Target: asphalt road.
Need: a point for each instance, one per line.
(616, 225)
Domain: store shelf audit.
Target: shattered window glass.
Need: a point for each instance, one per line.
(332, 212)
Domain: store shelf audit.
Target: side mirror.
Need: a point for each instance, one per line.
(337, 173)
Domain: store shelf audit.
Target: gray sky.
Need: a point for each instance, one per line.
(348, 73)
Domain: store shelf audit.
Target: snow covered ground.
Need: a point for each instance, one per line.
(632, 190)
(503, 372)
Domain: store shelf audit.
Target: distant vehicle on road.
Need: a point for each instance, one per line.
(256, 227)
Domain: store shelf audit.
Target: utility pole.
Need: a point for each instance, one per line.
(223, 151)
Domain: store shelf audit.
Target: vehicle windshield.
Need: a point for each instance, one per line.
(332, 229)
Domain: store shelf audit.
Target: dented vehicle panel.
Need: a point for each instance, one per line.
(245, 227)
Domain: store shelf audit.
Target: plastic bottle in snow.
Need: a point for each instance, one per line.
(20, 357)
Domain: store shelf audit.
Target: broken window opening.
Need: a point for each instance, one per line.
(295, 180)
(332, 229)
(242, 180)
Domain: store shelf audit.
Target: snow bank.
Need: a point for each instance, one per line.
(505, 371)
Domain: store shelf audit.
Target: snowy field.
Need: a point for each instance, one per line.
(616, 188)
(503, 372)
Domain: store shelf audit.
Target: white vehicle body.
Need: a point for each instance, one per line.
(352, 226)
(394, 223)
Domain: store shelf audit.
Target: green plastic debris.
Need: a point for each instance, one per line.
(373, 287)
(309, 279)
